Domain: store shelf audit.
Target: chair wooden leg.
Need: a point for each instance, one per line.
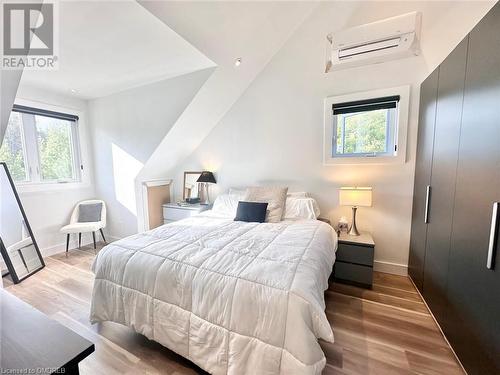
(79, 240)
(67, 244)
(93, 236)
(102, 235)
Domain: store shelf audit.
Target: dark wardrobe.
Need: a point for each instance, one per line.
(454, 256)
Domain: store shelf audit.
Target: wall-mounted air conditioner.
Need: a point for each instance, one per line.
(375, 42)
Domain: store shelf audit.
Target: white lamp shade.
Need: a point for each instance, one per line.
(355, 196)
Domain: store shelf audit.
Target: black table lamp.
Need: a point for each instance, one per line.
(206, 178)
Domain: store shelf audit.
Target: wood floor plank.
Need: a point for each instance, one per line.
(390, 337)
(332, 370)
(385, 330)
(393, 281)
(386, 317)
(371, 295)
(355, 363)
(396, 293)
(431, 366)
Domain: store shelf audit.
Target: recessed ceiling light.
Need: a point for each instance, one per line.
(73, 91)
(237, 62)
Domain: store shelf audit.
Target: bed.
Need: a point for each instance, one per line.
(232, 297)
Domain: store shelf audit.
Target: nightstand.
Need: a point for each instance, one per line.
(173, 212)
(354, 260)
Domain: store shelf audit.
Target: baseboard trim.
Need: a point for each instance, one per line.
(73, 244)
(389, 267)
(61, 247)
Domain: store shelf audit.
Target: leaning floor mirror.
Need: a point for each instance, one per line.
(17, 244)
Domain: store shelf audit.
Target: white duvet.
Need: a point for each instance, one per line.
(232, 297)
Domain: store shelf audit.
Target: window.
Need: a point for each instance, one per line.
(366, 127)
(13, 149)
(41, 146)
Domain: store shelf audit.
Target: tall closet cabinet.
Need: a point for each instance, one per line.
(454, 256)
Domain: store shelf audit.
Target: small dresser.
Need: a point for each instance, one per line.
(173, 212)
(354, 260)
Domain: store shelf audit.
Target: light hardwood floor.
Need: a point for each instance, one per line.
(386, 330)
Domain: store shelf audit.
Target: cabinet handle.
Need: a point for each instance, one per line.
(493, 236)
(427, 201)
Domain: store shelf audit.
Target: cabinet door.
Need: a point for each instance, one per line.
(474, 290)
(428, 93)
(444, 167)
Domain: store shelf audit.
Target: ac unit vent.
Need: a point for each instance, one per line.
(376, 42)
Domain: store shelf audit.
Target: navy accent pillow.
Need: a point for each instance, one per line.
(251, 212)
(89, 213)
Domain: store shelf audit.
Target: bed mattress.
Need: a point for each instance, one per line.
(232, 297)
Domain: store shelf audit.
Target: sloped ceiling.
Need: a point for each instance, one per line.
(255, 31)
(123, 46)
(223, 31)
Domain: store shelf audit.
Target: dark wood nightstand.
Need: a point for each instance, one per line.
(354, 260)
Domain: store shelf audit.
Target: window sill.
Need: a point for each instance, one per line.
(33, 188)
(400, 159)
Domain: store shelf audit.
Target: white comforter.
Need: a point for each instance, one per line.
(233, 297)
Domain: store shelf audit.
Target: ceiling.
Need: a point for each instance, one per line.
(123, 46)
(251, 30)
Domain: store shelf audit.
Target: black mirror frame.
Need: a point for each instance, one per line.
(3, 249)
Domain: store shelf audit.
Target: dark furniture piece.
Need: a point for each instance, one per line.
(354, 260)
(30, 341)
(454, 236)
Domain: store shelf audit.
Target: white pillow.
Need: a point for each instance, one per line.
(301, 208)
(226, 205)
(275, 198)
(241, 193)
(238, 192)
(298, 194)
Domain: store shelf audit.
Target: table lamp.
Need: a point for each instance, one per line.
(355, 197)
(206, 178)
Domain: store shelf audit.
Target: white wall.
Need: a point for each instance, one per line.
(126, 129)
(120, 132)
(273, 134)
(49, 209)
